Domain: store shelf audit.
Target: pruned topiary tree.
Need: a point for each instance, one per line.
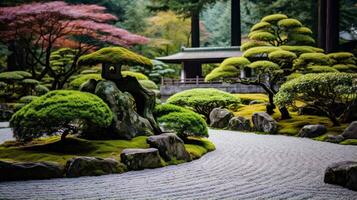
(112, 59)
(325, 92)
(54, 112)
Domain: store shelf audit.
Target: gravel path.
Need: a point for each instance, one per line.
(244, 166)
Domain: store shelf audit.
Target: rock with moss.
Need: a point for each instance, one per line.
(342, 173)
(311, 131)
(137, 159)
(170, 147)
(30, 171)
(351, 131)
(219, 118)
(264, 123)
(127, 123)
(91, 166)
(239, 124)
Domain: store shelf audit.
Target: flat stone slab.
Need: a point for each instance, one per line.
(136, 159)
(243, 166)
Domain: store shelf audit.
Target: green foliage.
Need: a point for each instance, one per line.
(264, 66)
(260, 25)
(137, 75)
(76, 83)
(27, 99)
(114, 56)
(320, 69)
(262, 36)
(29, 81)
(229, 68)
(184, 121)
(251, 44)
(41, 90)
(289, 23)
(300, 39)
(14, 76)
(62, 59)
(56, 110)
(343, 61)
(298, 50)
(282, 57)
(310, 59)
(203, 101)
(302, 30)
(323, 91)
(150, 85)
(259, 52)
(274, 18)
(184, 124)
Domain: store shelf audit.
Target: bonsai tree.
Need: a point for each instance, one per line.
(324, 91)
(54, 113)
(112, 59)
(203, 101)
(275, 43)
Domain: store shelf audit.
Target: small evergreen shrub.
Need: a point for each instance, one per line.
(150, 85)
(55, 110)
(203, 101)
(183, 121)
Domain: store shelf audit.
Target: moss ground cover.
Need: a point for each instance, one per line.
(289, 126)
(54, 150)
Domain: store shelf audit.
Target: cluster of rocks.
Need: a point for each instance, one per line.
(225, 119)
(164, 147)
(311, 131)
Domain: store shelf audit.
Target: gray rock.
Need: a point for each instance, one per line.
(136, 159)
(91, 166)
(219, 117)
(309, 110)
(311, 131)
(239, 124)
(335, 138)
(29, 171)
(127, 123)
(343, 174)
(351, 131)
(170, 146)
(256, 102)
(263, 122)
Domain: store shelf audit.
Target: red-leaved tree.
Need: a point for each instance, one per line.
(34, 30)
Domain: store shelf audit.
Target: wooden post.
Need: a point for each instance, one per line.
(235, 23)
(195, 29)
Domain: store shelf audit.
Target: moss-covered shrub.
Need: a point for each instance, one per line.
(229, 68)
(150, 85)
(27, 99)
(41, 90)
(203, 101)
(306, 60)
(343, 61)
(54, 111)
(183, 121)
(325, 92)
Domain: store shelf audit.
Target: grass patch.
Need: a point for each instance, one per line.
(247, 98)
(54, 150)
(349, 142)
(197, 147)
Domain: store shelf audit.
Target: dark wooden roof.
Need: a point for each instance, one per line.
(202, 55)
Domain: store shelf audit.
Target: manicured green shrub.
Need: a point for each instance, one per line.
(54, 111)
(324, 91)
(76, 83)
(41, 90)
(306, 60)
(137, 75)
(27, 99)
(203, 101)
(183, 121)
(14, 75)
(343, 61)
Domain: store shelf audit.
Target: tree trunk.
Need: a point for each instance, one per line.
(284, 113)
(64, 135)
(235, 23)
(195, 29)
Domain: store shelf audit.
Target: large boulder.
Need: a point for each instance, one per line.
(127, 123)
(136, 159)
(30, 170)
(311, 131)
(343, 174)
(91, 166)
(170, 146)
(239, 124)
(351, 131)
(219, 117)
(263, 122)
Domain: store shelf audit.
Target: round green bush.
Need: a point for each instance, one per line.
(183, 121)
(150, 85)
(55, 110)
(204, 100)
